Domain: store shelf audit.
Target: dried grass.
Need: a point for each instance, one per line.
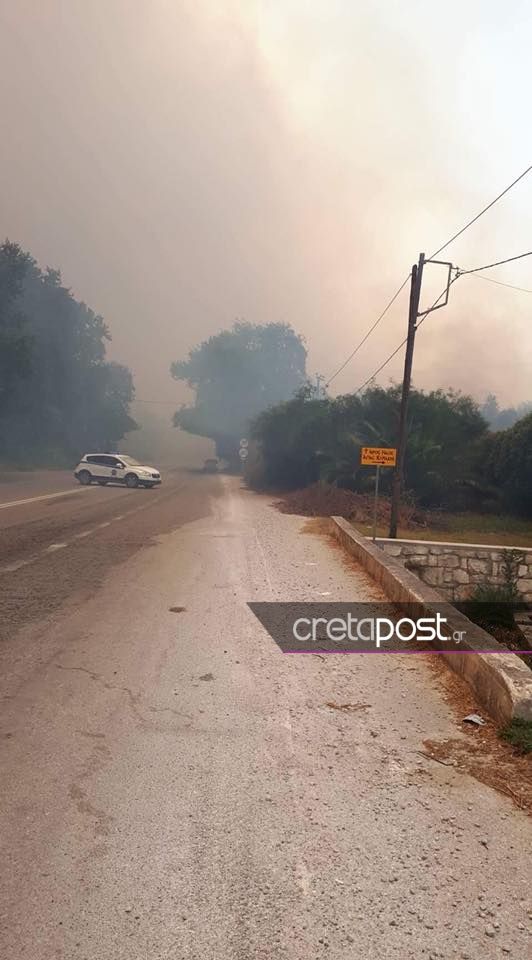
(324, 500)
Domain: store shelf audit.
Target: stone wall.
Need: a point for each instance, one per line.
(455, 568)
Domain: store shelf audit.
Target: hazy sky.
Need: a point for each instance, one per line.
(187, 163)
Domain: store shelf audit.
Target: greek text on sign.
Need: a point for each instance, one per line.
(378, 456)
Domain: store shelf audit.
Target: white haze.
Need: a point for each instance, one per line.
(187, 163)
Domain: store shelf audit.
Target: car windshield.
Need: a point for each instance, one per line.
(129, 460)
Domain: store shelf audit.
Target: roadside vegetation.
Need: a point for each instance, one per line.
(460, 478)
(415, 523)
(494, 607)
(502, 529)
(59, 395)
(519, 734)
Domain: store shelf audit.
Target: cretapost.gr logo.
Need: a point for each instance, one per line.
(376, 631)
(367, 627)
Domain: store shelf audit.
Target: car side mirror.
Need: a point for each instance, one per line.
(119, 466)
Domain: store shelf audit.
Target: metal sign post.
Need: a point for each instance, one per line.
(377, 475)
(377, 457)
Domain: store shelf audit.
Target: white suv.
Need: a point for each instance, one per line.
(115, 468)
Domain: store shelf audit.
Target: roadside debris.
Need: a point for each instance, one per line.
(475, 719)
(430, 756)
(347, 707)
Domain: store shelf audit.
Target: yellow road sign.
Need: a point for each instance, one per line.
(378, 456)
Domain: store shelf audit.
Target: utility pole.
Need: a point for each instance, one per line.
(413, 310)
(319, 378)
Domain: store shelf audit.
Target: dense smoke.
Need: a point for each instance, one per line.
(185, 164)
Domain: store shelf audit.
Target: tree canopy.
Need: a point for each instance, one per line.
(499, 418)
(236, 375)
(305, 440)
(453, 460)
(15, 340)
(507, 463)
(58, 394)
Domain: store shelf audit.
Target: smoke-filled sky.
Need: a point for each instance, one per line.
(188, 162)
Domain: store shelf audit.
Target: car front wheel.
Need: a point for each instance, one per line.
(84, 477)
(132, 480)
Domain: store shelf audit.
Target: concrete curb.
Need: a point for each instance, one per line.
(502, 682)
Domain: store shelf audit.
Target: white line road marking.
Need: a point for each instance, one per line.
(45, 496)
(53, 547)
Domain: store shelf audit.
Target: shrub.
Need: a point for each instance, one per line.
(519, 734)
(491, 606)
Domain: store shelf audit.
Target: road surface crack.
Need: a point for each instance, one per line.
(134, 700)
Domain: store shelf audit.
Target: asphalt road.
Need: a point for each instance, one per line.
(174, 787)
(58, 540)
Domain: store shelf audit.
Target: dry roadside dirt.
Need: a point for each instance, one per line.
(478, 751)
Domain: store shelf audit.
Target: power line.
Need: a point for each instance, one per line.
(396, 351)
(482, 212)
(382, 366)
(512, 286)
(437, 300)
(435, 254)
(369, 332)
(497, 263)
(459, 273)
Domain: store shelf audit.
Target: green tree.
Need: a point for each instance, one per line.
(500, 419)
(506, 460)
(65, 397)
(236, 375)
(290, 442)
(15, 342)
(444, 432)
(306, 440)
